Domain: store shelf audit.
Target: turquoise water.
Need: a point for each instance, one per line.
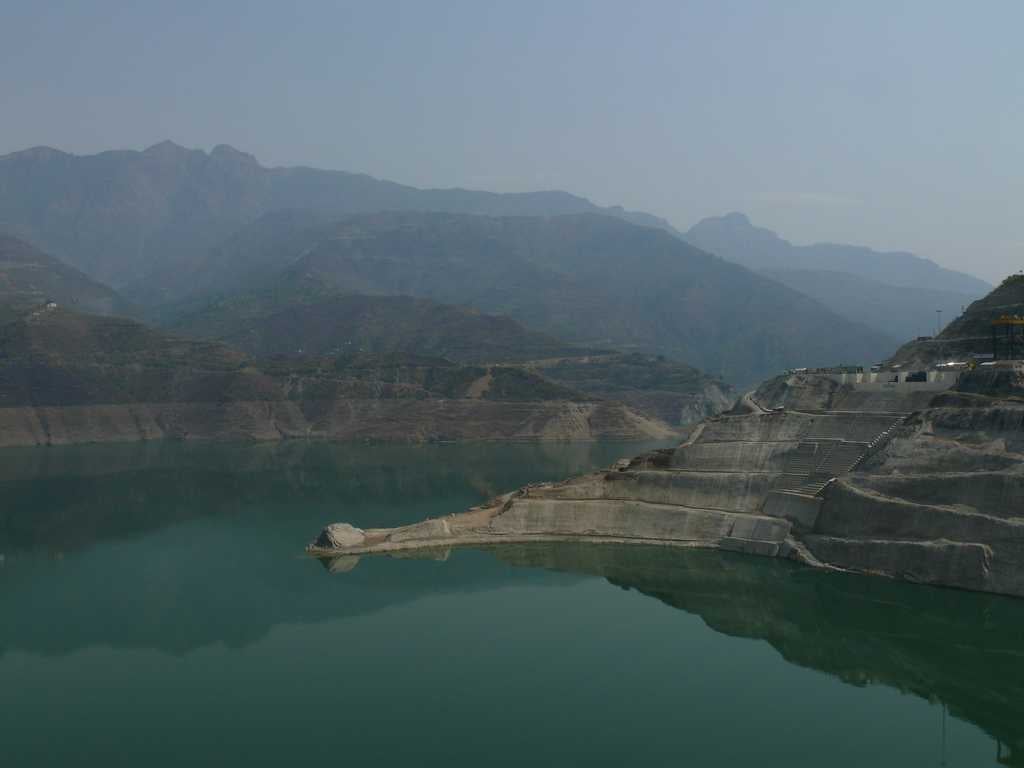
(155, 609)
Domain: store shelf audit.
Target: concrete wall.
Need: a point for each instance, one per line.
(742, 492)
(633, 519)
(851, 512)
(730, 491)
(854, 427)
(801, 511)
(870, 380)
(753, 457)
(887, 398)
(759, 428)
(926, 562)
(998, 494)
(979, 425)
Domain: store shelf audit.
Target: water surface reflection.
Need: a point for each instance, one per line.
(142, 585)
(963, 649)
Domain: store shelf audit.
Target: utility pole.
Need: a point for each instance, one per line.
(938, 322)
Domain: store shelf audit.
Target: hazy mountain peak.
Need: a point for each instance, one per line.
(734, 237)
(733, 224)
(227, 152)
(145, 218)
(165, 147)
(735, 218)
(39, 154)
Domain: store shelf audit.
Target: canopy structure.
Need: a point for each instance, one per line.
(1007, 341)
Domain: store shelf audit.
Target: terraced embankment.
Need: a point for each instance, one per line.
(846, 480)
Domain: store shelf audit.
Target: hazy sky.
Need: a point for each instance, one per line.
(896, 125)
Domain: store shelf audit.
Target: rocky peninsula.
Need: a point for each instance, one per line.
(874, 473)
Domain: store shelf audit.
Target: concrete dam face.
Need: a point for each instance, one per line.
(922, 481)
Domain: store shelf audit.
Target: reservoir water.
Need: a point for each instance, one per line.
(156, 609)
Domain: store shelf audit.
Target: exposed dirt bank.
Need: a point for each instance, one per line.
(350, 419)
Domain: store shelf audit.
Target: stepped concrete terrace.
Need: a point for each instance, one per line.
(833, 473)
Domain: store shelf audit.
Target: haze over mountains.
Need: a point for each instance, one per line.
(353, 365)
(121, 216)
(734, 237)
(587, 279)
(893, 292)
(271, 260)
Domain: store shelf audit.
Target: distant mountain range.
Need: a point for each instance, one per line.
(317, 348)
(127, 218)
(590, 280)
(734, 237)
(895, 293)
(269, 259)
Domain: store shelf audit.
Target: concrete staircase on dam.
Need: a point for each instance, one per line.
(832, 449)
(829, 448)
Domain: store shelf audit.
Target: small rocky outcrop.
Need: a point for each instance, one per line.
(340, 536)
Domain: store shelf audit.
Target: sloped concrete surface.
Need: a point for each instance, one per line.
(932, 495)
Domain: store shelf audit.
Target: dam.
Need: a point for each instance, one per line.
(911, 476)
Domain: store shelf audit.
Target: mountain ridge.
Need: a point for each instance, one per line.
(733, 236)
(588, 279)
(129, 218)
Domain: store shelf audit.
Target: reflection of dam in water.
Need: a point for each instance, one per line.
(186, 556)
(962, 650)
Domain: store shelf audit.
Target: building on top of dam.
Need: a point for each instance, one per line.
(934, 379)
(1007, 337)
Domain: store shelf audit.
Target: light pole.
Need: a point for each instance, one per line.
(938, 322)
